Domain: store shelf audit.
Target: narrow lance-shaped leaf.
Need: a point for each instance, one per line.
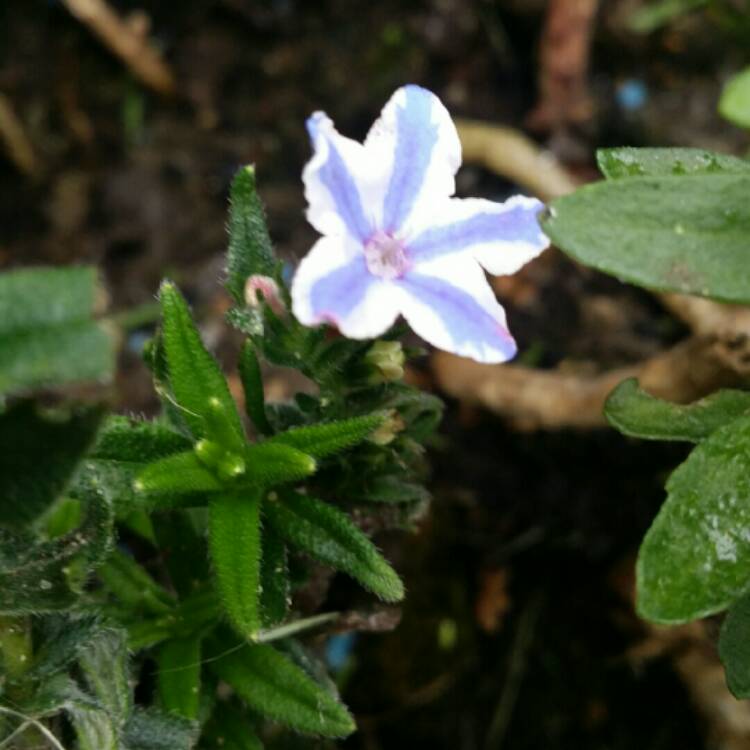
(275, 584)
(328, 535)
(235, 548)
(271, 463)
(230, 729)
(734, 647)
(47, 333)
(180, 473)
(252, 384)
(179, 676)
(132, 586)
(684, 234)
(695, 558)
(271, 684)
(150, 729)
(322, 440)
(197, 382)
(634, 412)
(250, 250)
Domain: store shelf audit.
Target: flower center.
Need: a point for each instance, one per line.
(385, 256)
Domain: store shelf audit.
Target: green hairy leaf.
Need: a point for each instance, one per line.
(271, 684)
(252, 384)
(615, 163)
(634, 412)
(322, 440)
(229, 729)
(735, 99)
(137, 441)
(149, 729)
(734, 647)
(250, 250)
(328, 535)
(197, 382)
(271, 463)
(38, 455)
(61, 637)
(695, 558)
(47, 333)
(684, 234)
(177, 474)
(179, 676)
(275, 583)
(132, 586)
(235, 548)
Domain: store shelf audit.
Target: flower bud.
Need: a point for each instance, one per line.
(386, 359)
(390, 427)
(259, 289)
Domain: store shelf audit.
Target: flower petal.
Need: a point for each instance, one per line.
(333, 285)
(416, 143)
(451, 305)
(501, 236)
(333, 180)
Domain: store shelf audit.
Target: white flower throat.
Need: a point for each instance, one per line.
(385, 256)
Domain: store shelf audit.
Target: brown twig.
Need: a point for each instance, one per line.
(17, 143)
(126, 40)
(535, 399)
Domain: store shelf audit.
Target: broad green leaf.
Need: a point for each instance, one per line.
(271, 463)
(695, 558)
(197, 382)
(104, 663)
(271, 684)
(274, 575)
(328, 535)
(61, 637)
(655, 14)
(734, 647)
(38, 455)
(179, 676)
(686, 234)
(182, 473)
(149, 729)
(47, 333)
(656, 162)
(252, 384)
(235, 548)
(230, 729)
(735, 99)
(94, 728)
(39, 576)
(636, 413)
(250, 250)
(322, 440)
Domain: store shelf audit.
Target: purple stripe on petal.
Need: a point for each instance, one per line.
(340, 183)
(416, 136)
(466, 321)
(334, 296)
(518, 224)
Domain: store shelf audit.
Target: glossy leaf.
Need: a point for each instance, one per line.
(235, 548)
(735, 99)
(179, 676)
(684, 234)
(197, 382)
(47, 333)
(322, 440)
(38, 455)
(695, 558)
(734, 647)
(654, 162)
(636, 413)
(250, 250)
(271, 684)
(328, 535)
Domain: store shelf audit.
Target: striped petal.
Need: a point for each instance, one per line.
(416, 145)
(333, 285)
(451, 305)
(501, 236)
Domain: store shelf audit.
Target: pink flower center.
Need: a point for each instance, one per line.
(385, 256)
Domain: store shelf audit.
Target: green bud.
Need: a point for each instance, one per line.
(390, 427)
(230, 466)
(209, 453)
(386, 361)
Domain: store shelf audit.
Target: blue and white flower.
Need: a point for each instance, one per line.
(395, 241)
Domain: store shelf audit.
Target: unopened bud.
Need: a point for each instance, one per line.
(259, 288)
(231, 466)
(389, 428)
(386, 358)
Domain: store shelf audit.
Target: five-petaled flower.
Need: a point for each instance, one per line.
(395, 241)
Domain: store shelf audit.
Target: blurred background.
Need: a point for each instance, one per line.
(121, 125)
